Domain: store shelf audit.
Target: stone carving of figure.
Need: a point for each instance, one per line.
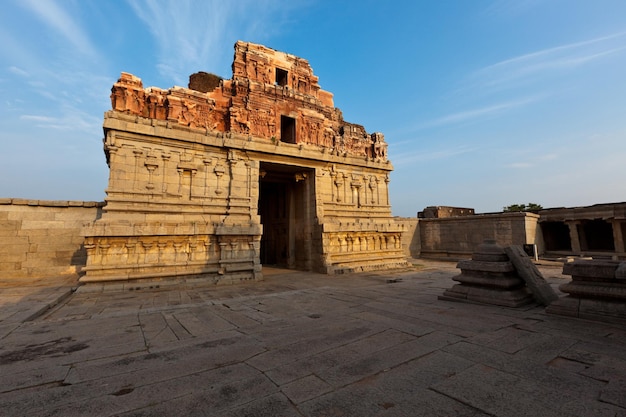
(240, 118)
(252, 70)
(379, 145)
(118, 100)
(134, 101)
(328, 138)
(155, 103)
(188, 114)
(271, 123)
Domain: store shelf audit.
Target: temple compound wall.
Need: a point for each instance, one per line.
(596, 231)
(40, 238)
(458, 237)
(261, 170)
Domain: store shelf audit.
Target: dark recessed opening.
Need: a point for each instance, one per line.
(281, 77)
(287, 129)
(556, 236)
(287, 210)
(596, 235)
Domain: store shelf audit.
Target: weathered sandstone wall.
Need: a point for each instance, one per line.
(411, 245)
(43, 238)
(263, 169)
(458, 237)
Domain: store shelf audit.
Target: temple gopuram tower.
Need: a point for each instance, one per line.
(262, 169)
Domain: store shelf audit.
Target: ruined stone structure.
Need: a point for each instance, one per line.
(458, 237)
(440, 212)
(596, 231)
(489, 278)
(597, 291)
(261, 170)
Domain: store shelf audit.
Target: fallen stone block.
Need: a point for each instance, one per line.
(527, 270)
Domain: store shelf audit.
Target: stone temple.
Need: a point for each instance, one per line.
(261, 169)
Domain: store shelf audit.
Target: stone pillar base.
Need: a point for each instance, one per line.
(598, 310)
(506, 298)
(597, 291)
(489, 278)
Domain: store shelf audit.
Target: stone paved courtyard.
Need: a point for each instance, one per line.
(301, 344)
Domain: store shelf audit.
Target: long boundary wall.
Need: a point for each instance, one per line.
(458, 237)
(43, 238)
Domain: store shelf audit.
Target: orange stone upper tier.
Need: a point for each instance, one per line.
(272, 96)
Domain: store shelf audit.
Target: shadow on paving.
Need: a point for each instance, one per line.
(25, 299)
(302, 344)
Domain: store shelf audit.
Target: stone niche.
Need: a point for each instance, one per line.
(262, 169)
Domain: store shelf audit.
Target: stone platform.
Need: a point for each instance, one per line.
(489, 278)
(597, 291)
(303, 344)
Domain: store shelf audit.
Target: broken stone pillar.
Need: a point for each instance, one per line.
(526, 269)
(597, 291)
(489, 278)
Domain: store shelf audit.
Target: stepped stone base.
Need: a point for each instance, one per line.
(506, 298)
(489, 278)
(597, 291)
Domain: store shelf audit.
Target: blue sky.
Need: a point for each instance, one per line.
(484, 103)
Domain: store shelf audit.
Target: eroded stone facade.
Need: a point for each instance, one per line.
(261, 170)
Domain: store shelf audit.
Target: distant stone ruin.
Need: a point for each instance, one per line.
(211, 183)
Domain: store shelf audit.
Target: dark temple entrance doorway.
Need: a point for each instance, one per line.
(287, 210)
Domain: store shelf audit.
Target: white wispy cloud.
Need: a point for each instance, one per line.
(510, 7)
(478, 113)
(38, 119)
(53, 15)
(18, 71)
(533, 154)
(190, 36)
(548, 157)
(525, 67)
(57, 91)
(68, 119)
(430, 155)
(520, 165)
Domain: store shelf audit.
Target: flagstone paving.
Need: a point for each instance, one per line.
(301, 344)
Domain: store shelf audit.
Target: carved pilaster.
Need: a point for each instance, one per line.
(138, 154)
(131, 253)
(151, 163)
(387, 180)
(219, 172)
(166, 158)
(207, 163)
(355, 186)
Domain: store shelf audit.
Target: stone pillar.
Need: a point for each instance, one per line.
(574, 237)
(618, 238)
